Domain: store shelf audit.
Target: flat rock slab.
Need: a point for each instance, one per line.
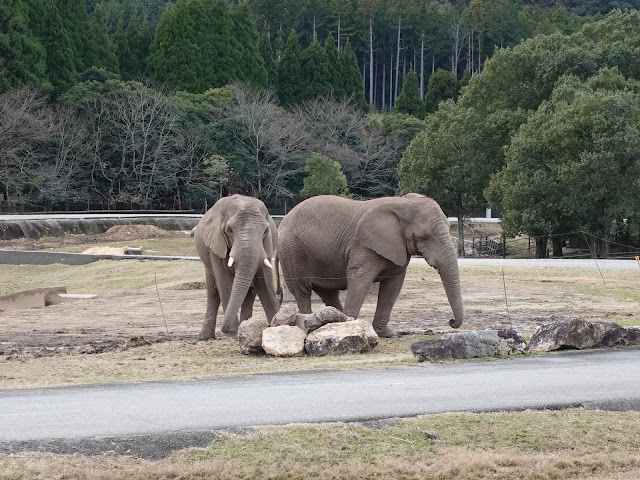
(355, 336)
(283, 341)
(483, 343)
(577, 333)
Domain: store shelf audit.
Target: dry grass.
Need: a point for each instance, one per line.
(531, 445)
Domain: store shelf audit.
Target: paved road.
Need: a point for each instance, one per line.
(33, 418)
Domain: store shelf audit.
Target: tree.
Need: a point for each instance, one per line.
(314, 69)
(47, 26)
(266, 52)
(127, 59)
(289, 85)
(351, 77)
(335, 67)
(249, 63)
(446, 162)
(409, 101)
(569, 166)
(442, 86)
(83, 43)
(22, 56)
(324, 177)
(106, 50)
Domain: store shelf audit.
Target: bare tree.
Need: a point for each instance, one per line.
(272, 137)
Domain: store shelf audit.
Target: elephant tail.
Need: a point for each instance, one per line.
(279, 291)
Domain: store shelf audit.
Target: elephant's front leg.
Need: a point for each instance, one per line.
(387, 295)
(213, 303)
(359, 281)
(331, 298)
(263, 284)
(246, 311)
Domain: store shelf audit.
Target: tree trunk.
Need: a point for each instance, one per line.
(460, 234)
(371, 99)
(541, 247)
(422, 71)
(384, 78)
(558, 243)
(397, 64)
(391, 102)
(338, 33)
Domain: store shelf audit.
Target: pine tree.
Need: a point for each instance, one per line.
(22, 56)
(266, 51)
(409, 100)
(106, 50)
(335, 67)
(126, 57)
(289, 85)
(249, 63)
(442, 85)
(351, 76)
(46, 24)
(314, 66)
(76, 22)
(220, 46)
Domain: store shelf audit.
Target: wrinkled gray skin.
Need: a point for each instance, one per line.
(329, 243)
(238, 227)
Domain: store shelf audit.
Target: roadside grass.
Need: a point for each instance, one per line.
(530, 445)
(178, 360)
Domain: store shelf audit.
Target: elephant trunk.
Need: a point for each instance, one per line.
(442, 255)
(241, 285)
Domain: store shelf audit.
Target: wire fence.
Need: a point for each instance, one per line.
(572, 245)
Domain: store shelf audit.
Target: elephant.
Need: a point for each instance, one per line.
(329, 243)
(236, 239)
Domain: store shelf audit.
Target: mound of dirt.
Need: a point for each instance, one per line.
(131, 232)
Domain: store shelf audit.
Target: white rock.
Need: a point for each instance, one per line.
(283, 341)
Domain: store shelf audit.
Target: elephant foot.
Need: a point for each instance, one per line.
(384, 332)
(207, 336)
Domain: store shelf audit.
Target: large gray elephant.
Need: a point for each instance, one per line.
(236, 239)
(329, 243)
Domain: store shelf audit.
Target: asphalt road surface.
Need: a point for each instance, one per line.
(152, 419)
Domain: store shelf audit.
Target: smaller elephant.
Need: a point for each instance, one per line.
(328, 243)
(236, 239)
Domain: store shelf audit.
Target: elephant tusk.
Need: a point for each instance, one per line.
(268, 263)
(230, 262)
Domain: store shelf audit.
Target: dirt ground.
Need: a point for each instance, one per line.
(125, 319)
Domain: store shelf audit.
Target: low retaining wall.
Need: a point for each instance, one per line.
(34, 229)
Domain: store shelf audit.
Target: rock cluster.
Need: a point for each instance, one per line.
(325, 332)
(561, 333)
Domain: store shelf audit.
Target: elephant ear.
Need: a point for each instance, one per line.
(212, 228)
(271, 239)
(379, 229)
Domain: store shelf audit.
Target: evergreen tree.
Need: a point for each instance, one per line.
(289, 86)
(126, 57)
(46, 24)
(335, 67)
(106, 50)
(76, 22)
(249, 63)
(325, 177)
(442, 85)
(266, 52)
(22, 56)
(220, 50)
(314, 66)
(351, 76)
(409, 100)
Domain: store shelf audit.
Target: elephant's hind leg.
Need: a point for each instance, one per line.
(213, 303)
(331, 298)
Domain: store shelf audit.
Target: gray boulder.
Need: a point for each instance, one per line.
(577, 333)
(283, 341)
(355, 336)
(324, 316)
(285, 316)
(483, 343)
(250, 334)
